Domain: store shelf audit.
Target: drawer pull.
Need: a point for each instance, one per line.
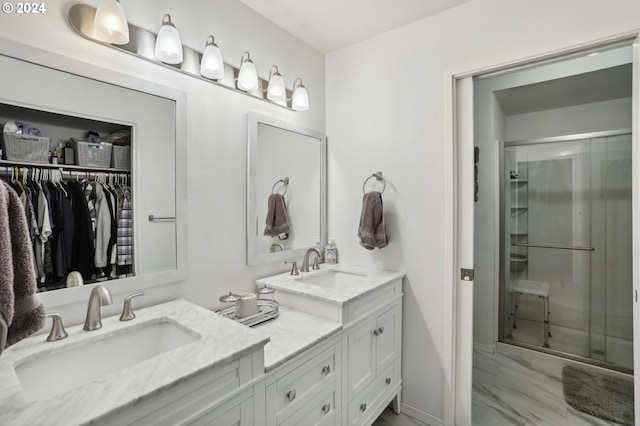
(363, 407)
(326, 370)
(326, 408)
(376, 332)
(388, 381)
(381, 330)
(291, 395)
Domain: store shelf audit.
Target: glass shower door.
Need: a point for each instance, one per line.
(566, 266)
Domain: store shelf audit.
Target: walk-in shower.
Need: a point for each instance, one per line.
(566, 246)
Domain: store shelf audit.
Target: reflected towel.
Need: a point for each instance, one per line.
(371, 231)
(277, 219)
(21, 314)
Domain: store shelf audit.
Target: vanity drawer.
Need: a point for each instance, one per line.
(181, 404)
(320, 411)
(293, 390)
(369, 303)
(366, 405)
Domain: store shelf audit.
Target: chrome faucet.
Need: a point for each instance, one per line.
(305, 261)
(99, 296)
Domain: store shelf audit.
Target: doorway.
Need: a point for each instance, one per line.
(465, 101)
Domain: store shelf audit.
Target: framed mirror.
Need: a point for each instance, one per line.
(286, 189)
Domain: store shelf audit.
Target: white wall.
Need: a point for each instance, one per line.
(587, 118)
(386, 111)
(217, 124)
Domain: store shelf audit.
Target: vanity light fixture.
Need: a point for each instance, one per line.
(110, 23)
(168, 43)
(248, 76)
(276, 91)
(300, 100)
(212, 65)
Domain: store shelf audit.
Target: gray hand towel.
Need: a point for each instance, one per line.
(21, 314)
(371, 231)
(277, 219)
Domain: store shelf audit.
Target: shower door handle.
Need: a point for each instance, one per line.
(553, 247)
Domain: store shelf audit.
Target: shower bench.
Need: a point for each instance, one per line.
(533, 288)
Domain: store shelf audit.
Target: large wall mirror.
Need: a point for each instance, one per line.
(286, 190)
(59, 97)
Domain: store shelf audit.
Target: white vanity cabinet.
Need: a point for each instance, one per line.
(373, 347)
(307, 390)
(370, 311)
(223, 396)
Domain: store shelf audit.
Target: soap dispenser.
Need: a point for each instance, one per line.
(330, 252)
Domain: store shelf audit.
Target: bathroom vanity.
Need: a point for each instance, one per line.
(367, 303)
(331, 357)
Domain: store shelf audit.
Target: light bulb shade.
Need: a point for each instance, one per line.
(110, 23)
(300, 101)
(248, 76)
(212, 65)
(276, 91)
(168, 43)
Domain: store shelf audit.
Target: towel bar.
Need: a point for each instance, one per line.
(378, 176)
(285, 181)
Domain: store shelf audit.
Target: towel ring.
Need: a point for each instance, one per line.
(285, 181)
(378, 176)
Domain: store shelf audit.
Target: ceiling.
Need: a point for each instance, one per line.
(327, 25)
(597, 86)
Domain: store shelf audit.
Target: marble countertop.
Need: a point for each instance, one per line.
(222, 341)
(292, 333)
(360, 281)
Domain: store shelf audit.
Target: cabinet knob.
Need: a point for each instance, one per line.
(376, 332)
(363, 407)
(291, 395)
(326, 370)
(381, 330)
(388, 381)
(326, 408)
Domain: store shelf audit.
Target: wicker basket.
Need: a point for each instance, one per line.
(121, 158)
(26, 148)
(93, 154)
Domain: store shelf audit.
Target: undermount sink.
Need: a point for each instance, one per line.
(332, 278)
(61, 370)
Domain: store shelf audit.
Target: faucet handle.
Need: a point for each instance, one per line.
(294, 267)
(57, 329)
(127, 310)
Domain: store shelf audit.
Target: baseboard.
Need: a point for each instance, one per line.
(484, 348)
(421, 415)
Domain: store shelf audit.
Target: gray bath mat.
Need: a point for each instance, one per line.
(599, 394)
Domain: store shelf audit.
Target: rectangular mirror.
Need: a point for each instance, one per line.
(288, 160)
(61, 101)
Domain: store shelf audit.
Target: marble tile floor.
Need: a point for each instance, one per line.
(522, 387)
(389, 418)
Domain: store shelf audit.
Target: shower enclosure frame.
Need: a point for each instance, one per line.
(502, 249)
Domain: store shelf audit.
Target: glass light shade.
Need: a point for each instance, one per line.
(212, 65)
(110, 23)
(168, 43)
(248, 76)
(300, 101)
(276, 91)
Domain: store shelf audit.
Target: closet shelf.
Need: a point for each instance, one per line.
(9, 163)
(519, 207)
(519, 180)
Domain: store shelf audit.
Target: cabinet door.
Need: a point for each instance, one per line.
(362, 363)
(387, 344)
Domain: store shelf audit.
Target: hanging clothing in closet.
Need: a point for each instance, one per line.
(76, 225)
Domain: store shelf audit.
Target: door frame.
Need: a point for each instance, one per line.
(458, 306)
